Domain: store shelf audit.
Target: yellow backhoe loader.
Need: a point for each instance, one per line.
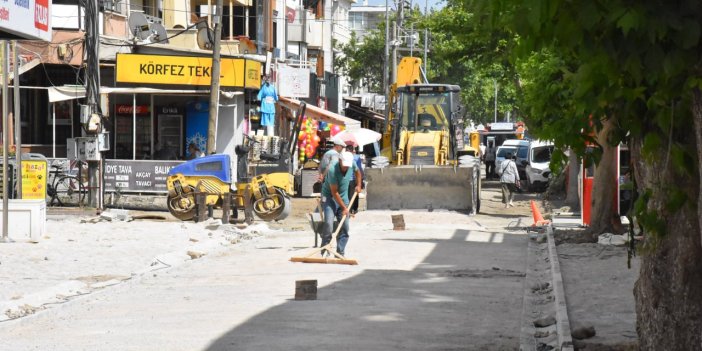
(422, 164)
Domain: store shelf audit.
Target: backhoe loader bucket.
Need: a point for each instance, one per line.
(424, 187)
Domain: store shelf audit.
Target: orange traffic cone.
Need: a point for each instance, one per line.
(538, 218)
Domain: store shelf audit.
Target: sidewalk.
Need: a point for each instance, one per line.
(83, 253)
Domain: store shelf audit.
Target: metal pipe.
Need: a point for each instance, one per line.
(53, 129)
(18, 123)
(134, 126)
(5, 143)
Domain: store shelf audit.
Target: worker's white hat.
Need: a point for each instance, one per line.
(346, 159)
(338, 141)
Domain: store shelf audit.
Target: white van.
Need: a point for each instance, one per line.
(537, 168)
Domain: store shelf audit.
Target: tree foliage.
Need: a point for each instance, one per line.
(462, 54)
(362, 60)
(631, 69)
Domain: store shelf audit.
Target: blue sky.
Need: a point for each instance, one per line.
(430, 3)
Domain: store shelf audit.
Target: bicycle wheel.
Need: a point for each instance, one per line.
(70, 191)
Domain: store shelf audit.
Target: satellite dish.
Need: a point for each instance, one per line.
(139, 25)
(205, 38)
(161, 36)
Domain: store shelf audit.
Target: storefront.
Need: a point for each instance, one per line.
(158, 106)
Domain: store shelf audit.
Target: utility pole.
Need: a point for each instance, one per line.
(18, 122)
(214, 91)
(394, 53)
(495, 81)
(92, 123)
(411, 40)
(426, 38)
(386, 82)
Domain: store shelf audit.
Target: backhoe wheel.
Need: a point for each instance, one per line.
(273, 207)
(182, 206)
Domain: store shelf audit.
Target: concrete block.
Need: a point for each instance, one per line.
(27, 219)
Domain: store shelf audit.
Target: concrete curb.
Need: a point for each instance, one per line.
(527, 341)
(565, 340)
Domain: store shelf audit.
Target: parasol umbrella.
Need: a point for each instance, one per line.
(359, 137)
(347, 138)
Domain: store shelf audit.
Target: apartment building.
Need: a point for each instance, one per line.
(364, 18)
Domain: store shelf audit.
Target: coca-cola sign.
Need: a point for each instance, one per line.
(129, 109)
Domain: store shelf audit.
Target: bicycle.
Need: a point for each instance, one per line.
(64, 189)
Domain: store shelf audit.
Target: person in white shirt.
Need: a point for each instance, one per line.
(509, 176)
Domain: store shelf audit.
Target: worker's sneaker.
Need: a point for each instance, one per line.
(506, 205)
(511, 204)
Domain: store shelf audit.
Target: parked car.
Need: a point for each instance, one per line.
(537, 167)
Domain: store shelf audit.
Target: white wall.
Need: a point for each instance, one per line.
(230, 127)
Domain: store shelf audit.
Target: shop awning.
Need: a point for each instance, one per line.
(69, 92)
(22, 69)
(320, 114)
(66, 92)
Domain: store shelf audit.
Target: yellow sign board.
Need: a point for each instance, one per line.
(34, 180)
(184, 70)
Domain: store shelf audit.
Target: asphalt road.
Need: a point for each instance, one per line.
(448, 282)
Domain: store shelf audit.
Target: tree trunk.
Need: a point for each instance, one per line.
(668, 292)
(572, 196)
(604, 184)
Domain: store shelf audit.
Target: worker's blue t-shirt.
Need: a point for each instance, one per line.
(335, 176)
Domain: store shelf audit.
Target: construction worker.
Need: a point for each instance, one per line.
(335, 199)
(330, 157)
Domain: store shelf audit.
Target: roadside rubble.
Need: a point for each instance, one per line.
(82, 255)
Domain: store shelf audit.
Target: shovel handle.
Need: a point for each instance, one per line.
(338, 227)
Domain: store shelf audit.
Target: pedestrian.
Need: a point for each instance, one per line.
(355, 182)
(509, 179)
(335, 199)
(330, 156)
(194, 151)
(490, 161)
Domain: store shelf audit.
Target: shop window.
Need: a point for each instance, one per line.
(126, 146)
(209, 166)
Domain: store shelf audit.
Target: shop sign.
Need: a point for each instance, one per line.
(137, 176)
(501, 126)
(182, 70)
(26, 19)
(129, 109)
(34, 179)
(170, 110)
(293, 82)
(290, 14)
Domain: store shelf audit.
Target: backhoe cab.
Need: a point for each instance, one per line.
(423, 133)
